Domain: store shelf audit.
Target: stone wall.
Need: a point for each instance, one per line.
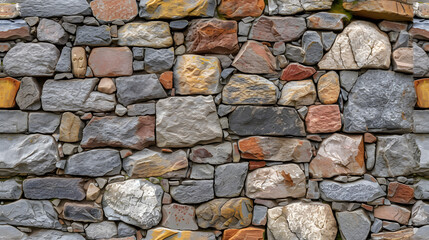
(205, 119)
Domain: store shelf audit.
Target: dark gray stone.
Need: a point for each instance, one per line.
(70, 28)
(64, 63)
(421, 189)
(224, 110)
(82, 212)
(141, 109)
(259, 215)
(421, 123)
(212, 154)
(13, 121)
(93, 36)
(328, 39)
(358, 191)
(139, 88)
(138, 53)
(179, 24)
(28, 96)
(193, 191)
(229, 179)
(54, 8)
(10, 189)
(43, 122)
(271, 121)
(158, 60)
(125, 230)
(94, 163)
(138, 66)
(53, 235)
(295, 53)
(54, 187)
(348, 79)
(349, 220)
(312, 45)
(376, 226)
(73, 19)
(403, 40)
(51, 31)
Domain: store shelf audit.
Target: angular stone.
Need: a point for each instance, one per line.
(225, 213)
(166, 79)
(407, 233)
(402, 60)
(249, 89)
(82, 212)
(421, 189)
(312, 220)
(381, 9)
(326, 21)
(400, 193)
(202, 171)
(160, 232)
(138, 88)
(111, 61)
(194, 74)
(313, 47)
(14, 29)
(54, 187)
(9, 10)
(388, 26)
(94, 163)
(358, 191)
(277, 29)
(53, 8)
(254, 57)
(237, 9)
(296, 71)
(212, 36)
(280, 181)
(421, 125)
(70, 128)
(323, 119)
(64, 62)
(422, 86)
(349, 220)
(8, 91)
(154, 34)
(275, 149)
(294, 53)
(328, 88)
(272, 121)
(259, 215)
(101, 230)
(212, 154)
(420, 29)
(420, 214)
(380, 101)
(360, 45)
(109, 11)
(31, 59)
(141, 109)
(158, 60)
(51, 31)
(421, 67)
(229, 179)
(181, 217)
(328, 39)
(9, 232)
(193, 191)
(10, 189)
(348, 79)
(393, 213)
(93, 36)
(250, 233)
(106, 85)
(298, 93)
(159, 9)
(187, 121)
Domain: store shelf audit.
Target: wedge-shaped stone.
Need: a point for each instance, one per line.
(298, 93)
(173, 234)
(358, 191)
(82, 212)
(254, 57)
(28, 96)
(108, 11)
(8, 90)
(277, 29)
(193, 191)
(381, 9)
(161, 9)
(154, 34)
(138, 88)
(54, 187)
(420, 214)
(212, 154)
(94, 163)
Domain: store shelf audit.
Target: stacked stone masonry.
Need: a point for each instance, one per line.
(214, 119)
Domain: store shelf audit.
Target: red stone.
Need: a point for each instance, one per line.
(111, 61)
(406, 234)
(166, 79)
(256, 164)
(249, 233)
(110, 10)
(237, 9)
(254, 57)
(393, 213)
(296, 71)
(323, 119)
(400, 193)
(369, 138)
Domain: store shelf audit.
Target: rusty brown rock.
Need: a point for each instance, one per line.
(111, 61)
(70, 128)
(400, 193)
(166, 79)
(17, 29)
(277, 29)
(237, 9)
(249, 233)
(393, 213)
(111, 10)
(381, 9)
(323, 119)
(369, 138)
(296, 71)
(254, 57)
(405, 234)
(8, 89)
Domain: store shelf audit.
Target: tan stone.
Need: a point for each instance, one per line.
(155, 34)
(92, 192)
(298, 93)
(106, 85)
(405, 234)
(422, 91)
(111, 10)
(171, 234)
(393, 213)
(381, 9)
(79, 62)
(328, 88)
(111, 61)
(161, 9)
(8, 90)
(403, 60)
(8, 10)
(70, 128)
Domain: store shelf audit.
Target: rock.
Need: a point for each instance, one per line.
(9, 10)
(70, 128)
(166, 79)
(237, 9)
(225, 213)
(194, 74)
(254, 57)
(82, 212)
(323, 119)
(347, 222)
(176, 234)
(358, 191)
(111, 61)
(75, 95)
(402, 60)
(8, 91)
(420, 123)
(54, 187)
(53, 8)
(328, 39)
(272, 121)
(11, 233)
(179, 24)
(154, 34)
(420, 234)
(301, 220)
(30, 213)
(381, 9)
(10, 189)
(126, 132)
(31, 59)
(339, 155)
(101, 230)
(298, 93)
(212, 36)
(13, 121)
(212, 154)
(275, 149)
(420, 29)
(422, 86)
(125, 230)
(326, 21)
(187, 121)
(277, 29)
(360, 45)
(249, 89)
(376, 104)
(27, 154)
(421, 189)
(400, 193)
(149, 163)
(407, 233)
(202, 171)
(393, 213)
(420, 214)
(181, 217)
(145, 212)
(14, 29)
(92, 192)
(109, 11)
(388, 26)
(420, 68)
(138, 88)
(244, 233)
(94, 163)
(64, 62)
(160, 9)
(313, 47)
(294, 53)
(328, 88)
(106, 85)
(296, 71)
(51, 31)
(141, 109)
(229, 179)
(158, 60)
(259, 215)
(93, 36)
(193, 191)
(348, 79)
(280, 181)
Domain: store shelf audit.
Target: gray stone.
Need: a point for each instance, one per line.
(422, 141)
(102, 230)
(120, 110)
(53, 235)
(73, 19)
(312, 45)
(328, 39)
(348, 79)
(31, 59)
(370, 153)
(54, 8)
(94, 163)
(64, 62)
(176, 216)
(10, 189)
(13, 121)
(54, 187)
(28, 96)
(193, 191)
(202, 171)
(376, 226)
(139, 88)
(244, 28)
(158, 60)
(421, 189)
(259, 215)
(295, 53)
(43, 122)
(138, 66)
(420, 214)
(11, 233)
(224, 110)
(380, 101)
(51, 31)
(391, 226)
(179, 24)
(403, 40)
(27, 154)
(421, 233)
(212, 154)
(229, 179)
(277, 29)
(30, 213)
(138, 53)
(349, 220)
(125, 230)
(141, 109)
(358, 191)
(421, 67)
(271, 121)
(93, 36)
(421, 123)
(91, 21)
(70, 28)
(313, 190)
(82, 212)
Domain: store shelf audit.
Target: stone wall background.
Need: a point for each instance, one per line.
(205, 119)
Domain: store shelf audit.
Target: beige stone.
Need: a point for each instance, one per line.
(79, 62)
(70, 128)
(328, 87)
(154, 34)
(403, 60)
(298, 93)
(106, 85)
(93, 192)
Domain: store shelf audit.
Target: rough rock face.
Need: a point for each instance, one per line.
(28, 96)
(10, 189)
(138, 88)
(236, 9)
(298, 93)
(229, 179)
(95, 163)
(82, 212)
(326, 21)
(381, 9)
(107, 11)
(8, 91)
(104, 61)
(146, 210)
(53, 8)
(274, 29)
(51, 31)
(212, 154)
(17, 29)
(160, 9)
(255, 57)
(170, 218)
(359, 191)
(323, 119)
(193, 191)
(177, 234)
(393, 213)
(347, 220)
(149, 34)
(54, 187)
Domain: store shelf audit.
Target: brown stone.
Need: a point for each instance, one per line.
(10, 30)
(111, 61)
(8, 10)
(237, 9)
(166, 79)
(277, 29)
(111, 10)
(4, 47)
(323, 119)
(8, 89)
(419, 33)
(79, 62)
(369, 138)
(106, 85)
(402, 60)
(405, 234)
(389, 26)
(328, 88)
(256, 164)
(70, 128)
(296, 71)
(422, 91)
(92, 192)
(400, 193)
(212, 36)
(367, 207)
(249, 233)
(381, 9)
(393, 213)
(254, 57)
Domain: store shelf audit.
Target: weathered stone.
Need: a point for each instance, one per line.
(380, 101)
(360, 45)
(212, 36)
(328, 39)
(388, 26)
(272, 121)
(178, 216)
(348, 79)
(8, 91)
(166, 79)
(158, 60)
(94, 163)
(250, 233)
(298, 93)
(109, 11)
(349, 220)
(178, 235)
(126, 132)
(249, 89)
(31, 59)
(64, 62)
(295, 53)
(141, 109)
(237, 9)
(229, 179)
(202, 171)
(10, 189)
(106, 85)
(9, 10)
(194, 74)
(421, 189)
(152, 34)
(400, 193)
(381, 9)
(125, 230)
(193, 191)
(421, 67)
(225, 213)
(420, 214)
(406, 234)
(296, 71)
(326, 21)
(9, 232)
(54, 187)
(53, 8)
(70, 128)
(323, 119)
(313, 47)
(301, 220)
(328, 88)
(277, 29)
(101, 230)
(402, 60)
(14, 29)
(420, 29)
(51, 31)
(393, 213)
(259, 215)
(13, 121)
(159, 9)
(111, 61)
(421, 125)
(93, 36)
(187, 121)
(280, 181)
(420, 234)
(254, 57)
(358, 191)
(138, 88)
(422, 86)
(145, 212)
(213, 154)
(82, 212)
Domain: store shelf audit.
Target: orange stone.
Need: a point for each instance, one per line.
(323, 119)
(166, 79)
(400, 193)
(111, 61)
(422, 91)
(8, 89)
(237, 9)
(393, 213)
(256, 164)
(111, 10)
(249, 233)
(296, 71)
(367, 207)
(369, 138)
(381, 9)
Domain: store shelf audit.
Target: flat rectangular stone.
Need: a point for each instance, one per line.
(13, 121)
(421, 121)
(82, 212)
(141, 109)
(54, 187)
